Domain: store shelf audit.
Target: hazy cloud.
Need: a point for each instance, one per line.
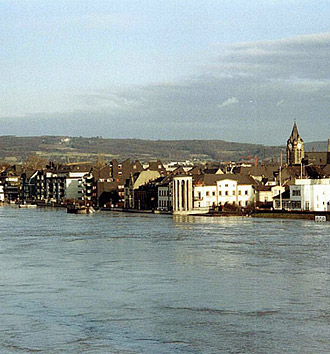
(258, 75)
(229, 102)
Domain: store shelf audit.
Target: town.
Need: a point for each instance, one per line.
(299, 183)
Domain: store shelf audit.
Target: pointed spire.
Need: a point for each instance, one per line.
(295, 133)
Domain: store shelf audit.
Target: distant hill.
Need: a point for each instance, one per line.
(69, 149)
(316, 146)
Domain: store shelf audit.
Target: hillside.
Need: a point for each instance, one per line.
(15, 149)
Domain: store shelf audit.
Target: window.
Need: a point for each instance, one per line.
(239, 192)
(213, 193)
(226, 193)
(246, 192)
(207, 193)
(234, 192)
(226, 185)
(220, 193)
(296, 192)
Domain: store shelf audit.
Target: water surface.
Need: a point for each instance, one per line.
(128, 283)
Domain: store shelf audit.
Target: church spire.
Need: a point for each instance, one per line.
(295, 147)
(295, 134)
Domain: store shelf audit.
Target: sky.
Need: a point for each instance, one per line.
(166, 69)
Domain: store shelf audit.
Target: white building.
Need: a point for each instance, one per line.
(310, 194)
(2, 193)
(183, 195)
(218, 190)
(74, 185)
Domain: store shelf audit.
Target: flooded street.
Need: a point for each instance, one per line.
(130, 283)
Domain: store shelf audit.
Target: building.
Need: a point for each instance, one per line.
(134, 182)
(2, 193)
(310, 194)
(306, 194)
(10, 178)
(165, 191)
(219, 190)
(294, 148)
(183, 194)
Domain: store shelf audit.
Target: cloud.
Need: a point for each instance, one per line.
(261, 76)
(304, 57)
(229, 102)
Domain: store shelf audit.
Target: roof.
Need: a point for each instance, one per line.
(261, 170)
(263, 188)
(211, 179)
(317, 157)
(285, 195)
(145, 177)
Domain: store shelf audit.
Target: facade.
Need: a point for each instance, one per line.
(28, 189)
(134, 182)
(183, 194)
(2, 193)
(306, 194)
(310, 194)
(10, 178)
(165, 197)
(264, 195)
(74, 186)
(12, 187)
(218, 190)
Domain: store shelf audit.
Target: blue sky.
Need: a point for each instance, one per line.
(207, 69)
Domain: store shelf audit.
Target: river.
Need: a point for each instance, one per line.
(131, 283)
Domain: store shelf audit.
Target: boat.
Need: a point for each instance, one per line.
(79, 209)
(27, 205)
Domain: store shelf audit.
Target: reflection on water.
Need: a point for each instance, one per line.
(127, 283)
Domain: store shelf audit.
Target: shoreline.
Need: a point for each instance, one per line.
(271, 214)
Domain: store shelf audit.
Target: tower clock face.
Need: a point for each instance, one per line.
(298, 145)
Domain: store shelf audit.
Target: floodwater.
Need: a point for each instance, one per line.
(130, 283)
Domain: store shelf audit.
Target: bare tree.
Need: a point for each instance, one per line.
(34, 162)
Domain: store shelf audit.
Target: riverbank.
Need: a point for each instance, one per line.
(258, 213)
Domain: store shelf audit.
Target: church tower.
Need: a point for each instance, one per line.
(294, 148)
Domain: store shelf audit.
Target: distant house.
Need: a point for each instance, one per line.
(134, 182)
(264, 195)
(2, 193)
(218, 190)
(165, 191)
(28, 185)
(10, 179)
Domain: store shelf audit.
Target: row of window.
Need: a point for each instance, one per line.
(225, 193)
(163, 192)
(164, 203)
